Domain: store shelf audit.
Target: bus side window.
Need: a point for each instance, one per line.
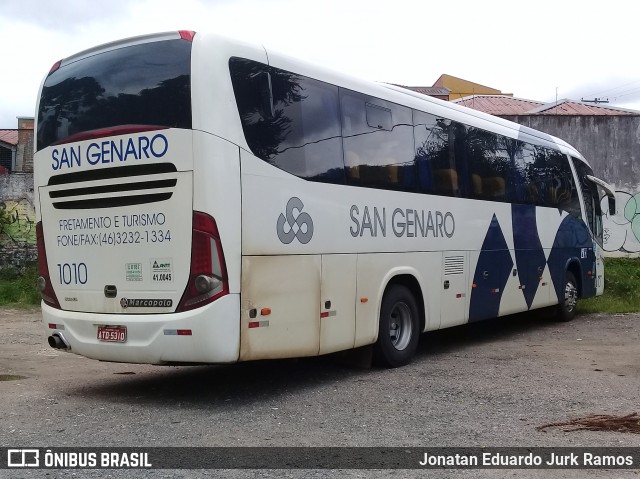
(266, 94)
(489, 163)
(378, 117)
(561, 190)
(378, 142)
(293, 125)
(310, 145)
(434, 155)
(590, 197)
(529, 175)
(460, 158)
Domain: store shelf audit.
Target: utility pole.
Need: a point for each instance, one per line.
(596, 100)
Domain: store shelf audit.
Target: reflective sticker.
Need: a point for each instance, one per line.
(161, 270)
(178, 332)
(258, 324)
(133, 271)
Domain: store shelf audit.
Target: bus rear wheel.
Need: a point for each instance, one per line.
(569, 299)
(399, 328)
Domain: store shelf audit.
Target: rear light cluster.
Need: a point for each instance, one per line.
(55, 67)
(44, 281)
(208, 277)
(187, 35)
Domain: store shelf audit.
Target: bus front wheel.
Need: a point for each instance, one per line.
(399, 328)
(569, 299)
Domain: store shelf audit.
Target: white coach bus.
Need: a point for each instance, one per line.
(203, 200)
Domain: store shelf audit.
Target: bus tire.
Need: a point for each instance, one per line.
(567, 306)
(399, 328)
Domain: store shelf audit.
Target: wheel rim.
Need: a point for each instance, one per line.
(400, 326)
(570, 296)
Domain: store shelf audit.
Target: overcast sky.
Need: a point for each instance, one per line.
(535, 50)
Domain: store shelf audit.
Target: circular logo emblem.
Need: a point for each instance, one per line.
(296, 224)
(124, 302)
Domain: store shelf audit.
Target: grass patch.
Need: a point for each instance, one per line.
(18, 290)
(621, 288)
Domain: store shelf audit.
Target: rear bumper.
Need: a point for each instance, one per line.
(151, 338)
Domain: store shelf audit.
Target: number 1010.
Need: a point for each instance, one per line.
(72, 273)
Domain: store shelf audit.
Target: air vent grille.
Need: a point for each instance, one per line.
(453, 265)
(113, 187)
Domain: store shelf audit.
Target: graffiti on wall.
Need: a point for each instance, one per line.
(622, 230)
(17, 224)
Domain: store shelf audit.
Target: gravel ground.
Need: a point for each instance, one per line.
(483, 385)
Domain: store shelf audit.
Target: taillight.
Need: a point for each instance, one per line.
(44, 282)
(55, 66)
(208, 277)
(187, 35)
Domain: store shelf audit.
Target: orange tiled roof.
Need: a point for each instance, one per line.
(501, 105)
(9, 136)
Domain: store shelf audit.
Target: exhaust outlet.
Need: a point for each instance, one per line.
(57, 341)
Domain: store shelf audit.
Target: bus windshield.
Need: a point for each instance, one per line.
(144, 84)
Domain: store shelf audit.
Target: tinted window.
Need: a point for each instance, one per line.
(530, 174)
(302, 133)
(379, 117)
(434, 156)
(590, 197)
(147, 84)
(561, 191)
(381, 155)
(454, 159)
(488, 158)
(324, 133)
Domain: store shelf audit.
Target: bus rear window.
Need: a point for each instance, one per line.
(145, 84)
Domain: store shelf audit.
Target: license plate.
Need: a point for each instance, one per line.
(116, 334)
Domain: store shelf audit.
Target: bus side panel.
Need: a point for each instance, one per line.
(543, 295)
(280, 307)
(337, 293)
(217, 191)
(454, 288)
(376, 270)
(573, 249)
(518, 286)
(531, 242)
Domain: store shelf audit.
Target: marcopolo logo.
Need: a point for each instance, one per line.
(295, 224)
(146, 303)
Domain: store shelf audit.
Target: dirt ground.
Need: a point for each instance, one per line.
(609, 344)
(482, 385)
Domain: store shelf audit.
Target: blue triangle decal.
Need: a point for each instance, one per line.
(491, 275)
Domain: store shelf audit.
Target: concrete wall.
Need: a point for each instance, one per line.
(611, 144)
(17, 223)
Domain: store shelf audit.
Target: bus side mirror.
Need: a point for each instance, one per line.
(266, 95)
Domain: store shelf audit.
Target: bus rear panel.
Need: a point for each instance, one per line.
(128, 270)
